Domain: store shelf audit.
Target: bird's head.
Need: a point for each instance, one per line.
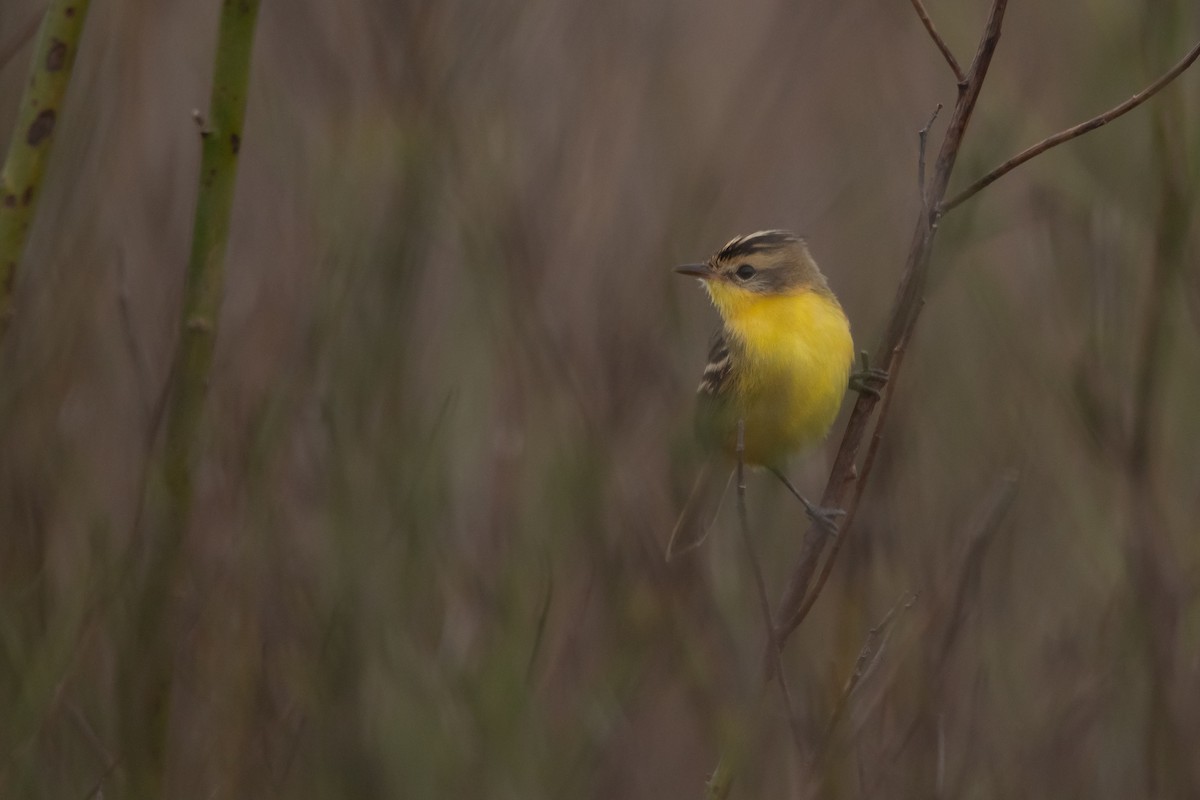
(750, 269)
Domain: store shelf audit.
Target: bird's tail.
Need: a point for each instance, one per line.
(701, 508)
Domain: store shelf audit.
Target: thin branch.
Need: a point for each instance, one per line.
(761, 586)
(959, 78)
(922, 139)
(860, 485)
(905, 310)
(801, 590)
(1073, 132)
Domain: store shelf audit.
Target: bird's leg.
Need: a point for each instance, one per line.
(826, 518)
(868, 380)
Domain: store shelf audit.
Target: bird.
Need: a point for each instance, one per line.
(778, 369)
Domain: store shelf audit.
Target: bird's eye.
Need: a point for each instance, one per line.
(745, 272)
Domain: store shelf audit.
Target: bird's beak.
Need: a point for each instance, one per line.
(700, 271)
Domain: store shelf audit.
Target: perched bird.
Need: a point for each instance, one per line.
(778, 368)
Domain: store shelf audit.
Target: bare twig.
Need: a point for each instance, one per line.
(1073, 132)
(959, 78)
(905, 310)
(922, 139)
(801, 589)
(860, 485)
(761, 587)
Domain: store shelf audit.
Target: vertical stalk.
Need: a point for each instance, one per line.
(221, 139)
(149, 678)
(33, 136)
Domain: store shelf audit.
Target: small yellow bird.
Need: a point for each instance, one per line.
(778, 367)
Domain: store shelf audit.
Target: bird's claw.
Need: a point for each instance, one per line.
(868, 380)
(825, 518)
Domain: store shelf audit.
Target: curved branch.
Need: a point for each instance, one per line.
(1072, 132)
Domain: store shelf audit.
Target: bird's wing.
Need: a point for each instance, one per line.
(720, 365)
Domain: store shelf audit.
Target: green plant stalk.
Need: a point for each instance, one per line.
(33, 136)
(221, 136)
(149, 679)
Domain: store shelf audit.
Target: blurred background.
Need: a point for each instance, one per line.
(449, 420)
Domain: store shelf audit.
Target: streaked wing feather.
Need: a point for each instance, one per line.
(720, 365)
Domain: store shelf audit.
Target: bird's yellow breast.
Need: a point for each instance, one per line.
(792, 366)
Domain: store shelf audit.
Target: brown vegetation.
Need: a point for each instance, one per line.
(447, 422)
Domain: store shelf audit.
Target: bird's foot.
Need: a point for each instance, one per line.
(825, 518)
(868, 380)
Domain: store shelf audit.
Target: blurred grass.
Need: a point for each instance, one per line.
(448, 422)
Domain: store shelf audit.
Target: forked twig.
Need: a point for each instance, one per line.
(905, 310)
(1073, 132)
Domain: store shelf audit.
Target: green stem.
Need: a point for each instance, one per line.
(148, 680)
(221, 136)
(33, 135)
